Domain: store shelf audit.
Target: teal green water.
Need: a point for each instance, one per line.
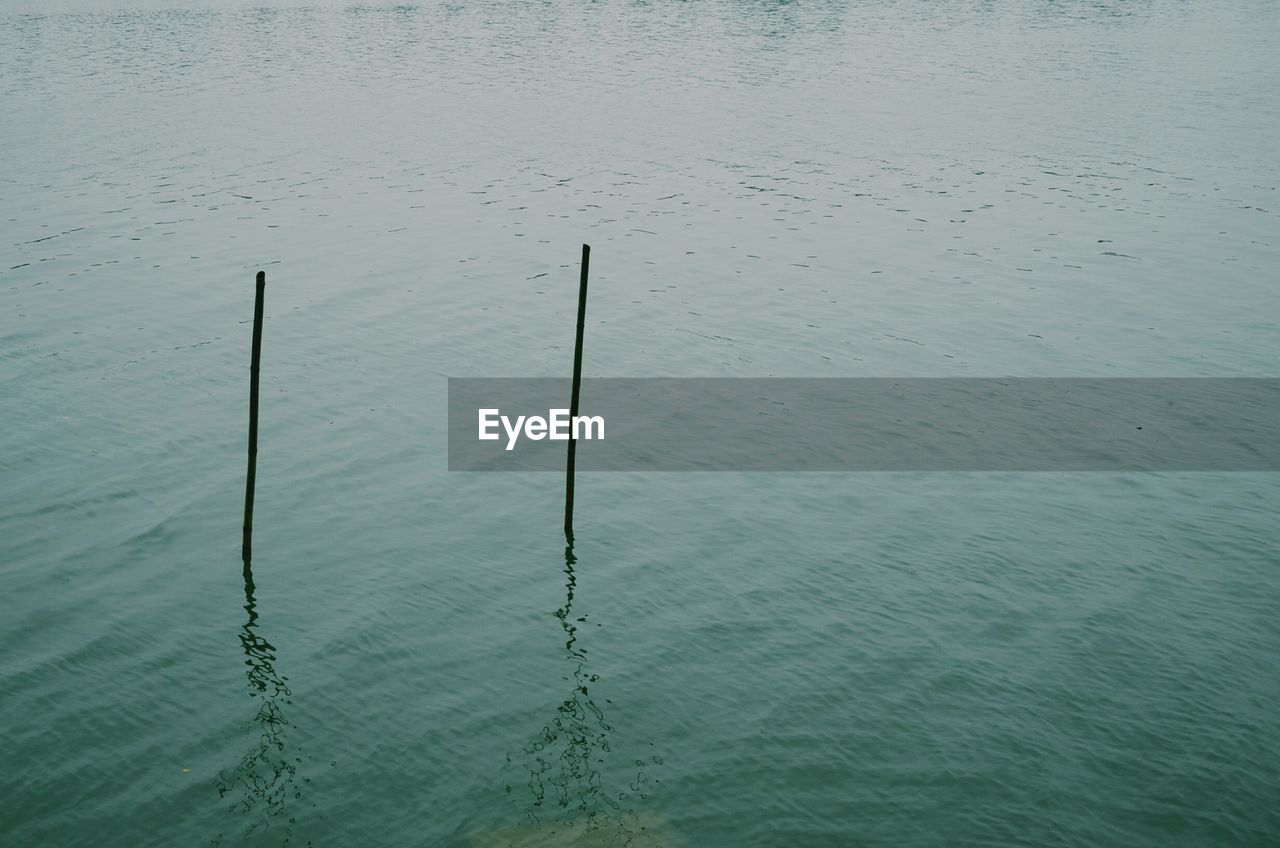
(770, 189)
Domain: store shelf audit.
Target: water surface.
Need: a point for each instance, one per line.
(841, 189)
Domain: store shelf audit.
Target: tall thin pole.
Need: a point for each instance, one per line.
(253, 418)
(577, 387)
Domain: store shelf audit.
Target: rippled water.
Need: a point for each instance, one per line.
(833, 188)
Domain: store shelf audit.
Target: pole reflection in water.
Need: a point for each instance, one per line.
(570, 802)
(266, 778)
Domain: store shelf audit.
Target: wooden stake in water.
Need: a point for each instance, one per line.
(577, 386)
(253, 418)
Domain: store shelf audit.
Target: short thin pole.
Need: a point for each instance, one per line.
(253, 417)
(577, 387)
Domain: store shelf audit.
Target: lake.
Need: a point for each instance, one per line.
(818, 188)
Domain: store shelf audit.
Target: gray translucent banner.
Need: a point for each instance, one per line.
(873, 424)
